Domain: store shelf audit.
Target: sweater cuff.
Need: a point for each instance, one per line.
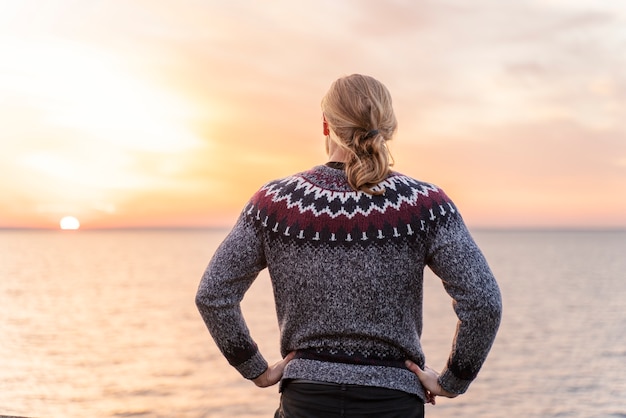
(453, 384)
(253, 367)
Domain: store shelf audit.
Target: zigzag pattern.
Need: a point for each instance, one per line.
(298, 192)
(320, 205)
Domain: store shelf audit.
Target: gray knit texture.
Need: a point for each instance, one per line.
(347, 273)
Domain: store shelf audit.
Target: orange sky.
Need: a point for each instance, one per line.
(161, 113)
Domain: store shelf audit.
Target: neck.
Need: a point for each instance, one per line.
(338, 157)
(336, 153)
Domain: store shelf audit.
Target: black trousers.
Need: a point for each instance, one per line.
(321, 400)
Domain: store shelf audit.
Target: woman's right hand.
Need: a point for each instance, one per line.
(430, 380)
(274, 373)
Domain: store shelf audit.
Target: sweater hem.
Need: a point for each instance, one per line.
(351, 374)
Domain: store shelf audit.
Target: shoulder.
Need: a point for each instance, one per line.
(421, 189)
(317, 179)
(426, 200)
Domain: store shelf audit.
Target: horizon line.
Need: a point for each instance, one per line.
(615, 228)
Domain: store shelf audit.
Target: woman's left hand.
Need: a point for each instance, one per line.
(273, 374)
(430, 380)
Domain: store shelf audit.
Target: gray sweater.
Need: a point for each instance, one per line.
(347, 270)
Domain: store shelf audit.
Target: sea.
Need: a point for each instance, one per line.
(104, 324)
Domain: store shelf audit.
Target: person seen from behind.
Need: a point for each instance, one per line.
(346, 244)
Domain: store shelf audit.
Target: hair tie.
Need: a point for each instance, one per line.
(370, 134)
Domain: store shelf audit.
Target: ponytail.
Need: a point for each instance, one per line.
(369, 163)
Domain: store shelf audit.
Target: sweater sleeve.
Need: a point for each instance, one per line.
(234, 266)
(456, 259)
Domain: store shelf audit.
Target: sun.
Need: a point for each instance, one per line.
(69, 222)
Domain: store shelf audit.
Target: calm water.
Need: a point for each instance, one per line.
(103, 324)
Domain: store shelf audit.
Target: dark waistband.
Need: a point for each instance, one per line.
(338, 356)
(311, 382)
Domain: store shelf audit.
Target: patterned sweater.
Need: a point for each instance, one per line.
(347, 270)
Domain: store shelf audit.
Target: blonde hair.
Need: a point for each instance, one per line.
(359, 111)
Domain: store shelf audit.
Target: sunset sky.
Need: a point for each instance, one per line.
(172, 113)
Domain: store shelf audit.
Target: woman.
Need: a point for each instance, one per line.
(346, 244)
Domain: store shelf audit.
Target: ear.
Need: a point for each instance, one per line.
(325, 125)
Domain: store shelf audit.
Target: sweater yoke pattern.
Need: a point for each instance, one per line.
(317, 206)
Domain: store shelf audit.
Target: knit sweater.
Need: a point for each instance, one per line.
(347, 273)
